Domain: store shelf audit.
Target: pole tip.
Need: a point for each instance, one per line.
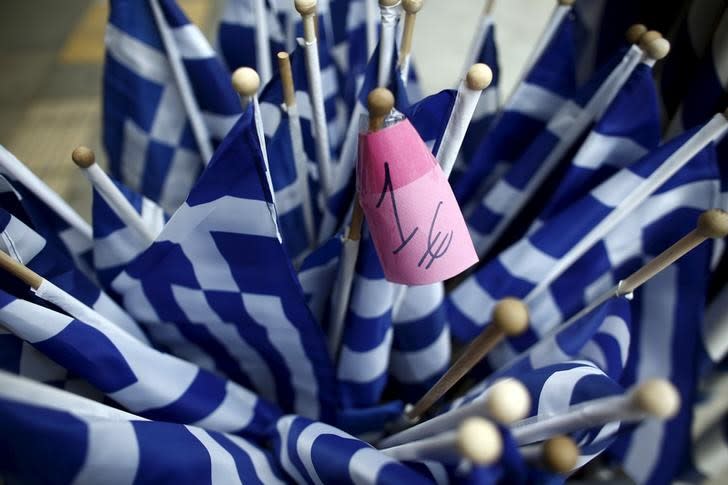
(380, 102)
(389, 3)
(305, 7)
(479, 441)
(560, 454)
(657, 397)
(511, 316)
(246, 81)
(635, 33)
(412, 6)
(508, 401)
(713, 223)
(566, 2)
(479, 77)
(83, 157)
(282, 55)
(654, 44)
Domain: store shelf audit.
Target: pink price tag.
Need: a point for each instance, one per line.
(417, 227)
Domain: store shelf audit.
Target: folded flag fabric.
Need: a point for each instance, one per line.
(540, 268)
(28, 198)
(143, 380)
(149, 132)
(314, 452)
(27, 247)
(79, 441)
(115, 243)
(217, 287)
(548, 84)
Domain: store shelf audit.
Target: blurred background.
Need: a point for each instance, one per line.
(51, 59)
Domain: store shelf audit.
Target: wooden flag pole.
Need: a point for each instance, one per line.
(389, 14)
(299, 154)
(478, 78)
(655, 397)
(246, 83)
(23, 273)
(476, 439)
(410, 7)
(307, 10)
(559, 454)
(85, 159)
(505, 402)
(510, 318)
(381, 103)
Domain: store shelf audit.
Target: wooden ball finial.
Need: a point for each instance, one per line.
(479, 441)
(560, 454)
(508, 401)
(648, 37)
(657, 397)
(658, 48)
(566, 2)
(389, 3)
(83, 157)
(511, 316)
(713, 223)
(635, 33)
(412, 6)
(380, 102)
(246, 81)
(479, 77)
(305, 7)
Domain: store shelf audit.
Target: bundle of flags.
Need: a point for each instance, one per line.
(233, 312)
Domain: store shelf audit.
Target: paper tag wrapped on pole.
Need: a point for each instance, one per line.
(413, 218)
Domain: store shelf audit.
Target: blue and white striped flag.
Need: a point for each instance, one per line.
(217, 287)
(80, 441)
(547, 85)
(627, 131)
(574, 257)
(29, 248)
(155, 117)
(237, 33)
(143, 380)
(486, 51)
(667, 335)
(498, 218)
(38, 206)
(115, 243)
(314, 452)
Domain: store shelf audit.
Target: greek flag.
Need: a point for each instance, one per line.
(143, 380)
(217, 287)
(523, 187)
(586, 249)
(59, 437)
(486, 51)
(37, 205)
(115, 243)
(29, 248)
(311, 451)
(237, 37)
(167, 100)
(317, 276)
(627, 131)
(668, 342)
(547, 85)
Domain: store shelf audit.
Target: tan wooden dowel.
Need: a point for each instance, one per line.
(289, 90)
(510, 317)
(712, 223)
(23, 273)
(411, 7)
